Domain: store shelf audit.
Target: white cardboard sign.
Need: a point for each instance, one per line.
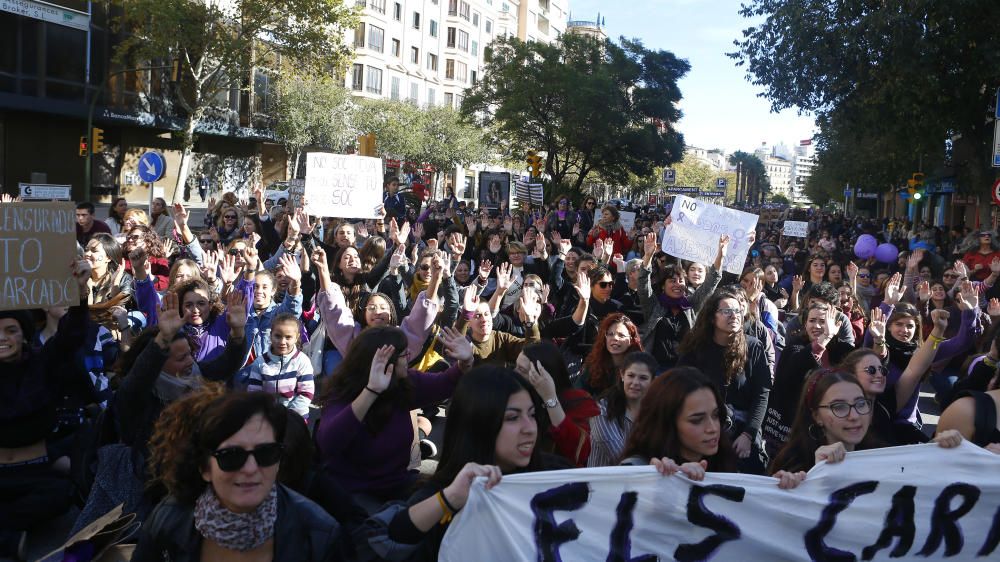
(696, 227)
(796, 229)
(918, 502)
(627, 219)
(343, 185)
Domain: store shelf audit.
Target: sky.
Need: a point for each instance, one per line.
(721, 108)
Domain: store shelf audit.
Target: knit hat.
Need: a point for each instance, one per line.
(24, 319)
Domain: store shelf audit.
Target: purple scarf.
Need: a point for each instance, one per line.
(669, 303)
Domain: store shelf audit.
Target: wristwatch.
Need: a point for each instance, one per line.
(551, 403)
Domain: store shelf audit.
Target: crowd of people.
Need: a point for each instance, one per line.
(263, 386)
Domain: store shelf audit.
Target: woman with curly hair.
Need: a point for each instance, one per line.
(205, 323)
(737, 364)
(617, 336)
(218, 455)
(141, 243)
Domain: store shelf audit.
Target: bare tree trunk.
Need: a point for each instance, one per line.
(295, 170)
(186, 157)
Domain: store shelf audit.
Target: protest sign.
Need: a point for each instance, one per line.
(627, 218)
(37, 248)
(915, 502)
(697, 226)
(494, 188)
(343, 185)
(296, 189)
(796, 229)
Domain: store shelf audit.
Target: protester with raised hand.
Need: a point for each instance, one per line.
(492, 430)
(489, 345)
(365, 433)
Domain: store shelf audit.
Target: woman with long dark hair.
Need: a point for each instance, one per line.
(365, 433)
(619, 408)
(737, 364)
(492, 430)
(116, 216)
(569, 409)
(218, 455)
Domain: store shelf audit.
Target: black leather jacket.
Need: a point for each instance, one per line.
(303, 532)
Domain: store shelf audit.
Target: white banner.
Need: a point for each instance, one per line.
(343, 185)
(696, 228)
(627, 219)
(796, 229)
(915, 502)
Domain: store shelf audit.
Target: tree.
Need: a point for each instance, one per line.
(752, 177)
(592, 107)
(780, 199)
(896, 87)
(217, 45)
(311, 110)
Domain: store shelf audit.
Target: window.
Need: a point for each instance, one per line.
(376, 38)
(475, 19)
(395, 48)
(414, 55)
(397, 11)
(452, 7)
(431, 94)
(434, 28)
(461, 72)
(359, 36)
(357, 77)
(489, 27)
(374, 80)
(475, 48)
(449, 69)
(449, 99)
(432, 62)
(377, 5)
(464, 10)
(394, 89)
(505, 7)
(463, 40)
(416, 20)
(414, 92)
(475, 77)
(452, 34)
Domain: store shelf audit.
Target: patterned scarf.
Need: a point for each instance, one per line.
(235, 531)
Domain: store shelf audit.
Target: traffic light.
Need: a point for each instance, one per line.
(915, 186)
(534, 164)
(366, 145)
(83, 145)
(98, 136)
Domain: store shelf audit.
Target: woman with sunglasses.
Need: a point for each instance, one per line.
(230, 225)
(366, 433)
(737, 364)
(832, 419)
(218, 457)
(867, 366)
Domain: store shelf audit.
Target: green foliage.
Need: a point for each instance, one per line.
(889, 82)
(780, 199)
(436, 135)
(752, 168)
(591, 107)
(312, 110)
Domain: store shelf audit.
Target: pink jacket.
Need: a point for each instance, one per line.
(341, 328)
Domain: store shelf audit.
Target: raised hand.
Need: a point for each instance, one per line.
(181, 214)
(470, 224)
(619, 262)
(236, 312)
(798, 283)
(649, 246)
(924, 291)
(993, 307)
(470, 300)
(168, 247)
(457, 244)
(302, 218)
(894, 290)
(609, 248)
(582, 285)
(724, 244)
(397, 257)
(495, 244)
(290, 267)
(530, 305)
(877, 324)
(210, 266)
(81, 272)
(508, 224)
(540, 249)
(227, 269)
(485, 268)
(169, 319)
(456, 346)
(403, 233)
(380, 373)
(599, 250)
(504, 272)
(852, 270)
(967, 297)
(564, 247)
(940, 319)
(913, 261)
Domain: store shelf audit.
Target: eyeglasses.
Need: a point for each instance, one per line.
(605, 284)
(534, 286)
(590, 203)
(232, 459)
(206, 241)
(230, 217)
(425, 267)
(951, 275)
(872, 369)
(985, 235)
(132, 237)
(864, 275)
(731, 312)
(862, 406)
(376, 309)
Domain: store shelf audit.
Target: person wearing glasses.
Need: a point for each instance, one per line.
(230, 224)
(832, 419)
(218, 456)
(737, 364)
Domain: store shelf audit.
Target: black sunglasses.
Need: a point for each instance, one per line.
(425, 267)
(232, 459)
(605, 284)
(872, 369)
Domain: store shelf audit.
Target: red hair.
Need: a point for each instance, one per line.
(599, 362)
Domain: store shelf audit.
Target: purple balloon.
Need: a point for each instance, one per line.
(865, 247)
(886, 253)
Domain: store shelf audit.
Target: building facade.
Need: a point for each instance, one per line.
(803, 163)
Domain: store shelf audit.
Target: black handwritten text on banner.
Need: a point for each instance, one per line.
(37, 247)
(916, 502)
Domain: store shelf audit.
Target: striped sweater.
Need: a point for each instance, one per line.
(290, 377)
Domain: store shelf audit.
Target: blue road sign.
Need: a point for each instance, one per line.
(721, 183)
(669, 176)
(151, 166)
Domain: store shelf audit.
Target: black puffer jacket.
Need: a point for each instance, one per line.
(303, 532)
